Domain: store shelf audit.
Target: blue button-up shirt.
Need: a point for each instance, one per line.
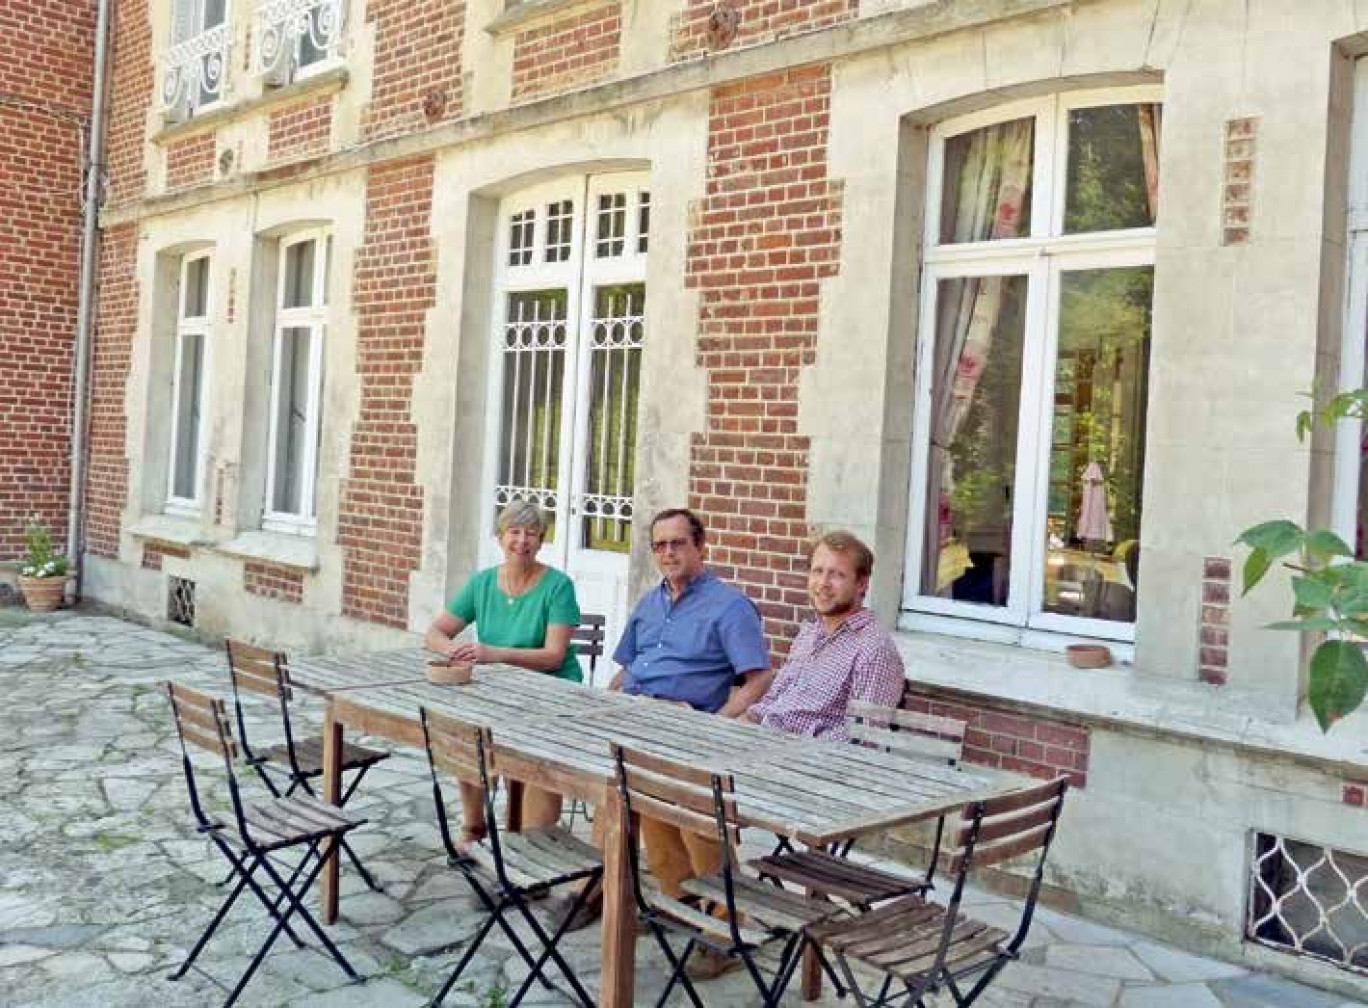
(691, 648)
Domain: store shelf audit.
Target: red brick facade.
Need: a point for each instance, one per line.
(567, 54)
(757, 21)
(155, 552)
(132, 88)
(116, 324)
(381, 513)
(45, 82)
(416, 77)
(191, 161)
(1029, 744)
(272, 581)
(1214, 634)
(300, 131)
(765, 235)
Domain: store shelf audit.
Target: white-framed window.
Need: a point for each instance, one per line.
(1032, 368)
(189, 386)
(297, 353)
(197, 64)
(295, 39)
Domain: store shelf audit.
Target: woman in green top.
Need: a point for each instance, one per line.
(525, 612)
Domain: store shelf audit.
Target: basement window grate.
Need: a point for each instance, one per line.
(180, 601)
(1309, 899)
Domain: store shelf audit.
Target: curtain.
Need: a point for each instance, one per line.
(991, 181)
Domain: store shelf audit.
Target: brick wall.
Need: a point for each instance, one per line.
(154, 553)
(45, 91)
(1213, 656)
(1029, 744)
(130, 96)
(300, 131)
(766, 233)
(191, 161)
(567, 54)
(381, 512)
(758, 21)
(416, 74)
(116, 323)
(272, 581)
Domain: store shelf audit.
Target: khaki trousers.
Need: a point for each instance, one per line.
(676, 855)
(540, 808)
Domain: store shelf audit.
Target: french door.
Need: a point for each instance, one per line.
(570, 325)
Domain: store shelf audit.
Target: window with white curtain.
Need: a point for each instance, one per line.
(1033, 365)
(189, 387)
(297, 383)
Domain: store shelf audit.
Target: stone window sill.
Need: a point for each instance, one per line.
(169, 529)
(1122, 698)
(534, 13)
(327, 82)
(299, 552)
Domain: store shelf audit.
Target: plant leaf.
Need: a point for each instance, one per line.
(1276, 538)
(1339, 681)
(1324, 544)
(1316, 624)
(1312, 593)
(1255, 567)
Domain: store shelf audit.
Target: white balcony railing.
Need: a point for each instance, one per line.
(195, 71)
(292, 35)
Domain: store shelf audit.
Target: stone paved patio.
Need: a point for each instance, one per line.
(103, 885)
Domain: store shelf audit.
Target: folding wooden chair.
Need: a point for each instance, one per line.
(505, 870)
(258, 831)
(700, 801)
(300, 760)
(830, 873)
(924, 947)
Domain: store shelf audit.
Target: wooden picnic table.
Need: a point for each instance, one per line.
(811, 791)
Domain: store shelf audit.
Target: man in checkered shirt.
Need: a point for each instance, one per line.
(840, 655)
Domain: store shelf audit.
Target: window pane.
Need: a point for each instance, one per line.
(213, 12)
(1097, 447)
(299, 275)
(643, 222)
(196, 303)
(614, 383)
(975, 395)
(189, 389)
(986, 193)
(317, 32)
(612, 226)
(533, 377)
(560, 220)
(1113, 168)
(521, 227)
(292, 421)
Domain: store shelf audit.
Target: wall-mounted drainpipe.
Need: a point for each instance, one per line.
(85, 307)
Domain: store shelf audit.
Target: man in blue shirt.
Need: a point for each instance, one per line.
(688, 641)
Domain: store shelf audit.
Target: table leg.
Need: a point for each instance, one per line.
(513, 814)
(811, 972)
(619, 907)
(332, 792)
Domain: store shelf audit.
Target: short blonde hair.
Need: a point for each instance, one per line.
(844, 542)
(524, 513)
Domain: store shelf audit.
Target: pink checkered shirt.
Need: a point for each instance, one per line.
(824, 672)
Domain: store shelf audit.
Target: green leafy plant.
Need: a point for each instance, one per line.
(1329, 587)
(41, 558)
(496, 996)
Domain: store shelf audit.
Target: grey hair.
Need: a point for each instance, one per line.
(521, 512)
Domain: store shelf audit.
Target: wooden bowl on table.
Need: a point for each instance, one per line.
(441, 672)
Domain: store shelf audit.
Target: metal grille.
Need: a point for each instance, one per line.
(1309, 899)
(534, 342)
(614, 380)
(180, 601)
(308, 31)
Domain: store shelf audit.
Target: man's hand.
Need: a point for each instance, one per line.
(749, 716)
(615, 684)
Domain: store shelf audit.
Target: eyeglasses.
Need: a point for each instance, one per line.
(662, 545)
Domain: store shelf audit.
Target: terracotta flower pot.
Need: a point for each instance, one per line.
(43, 594)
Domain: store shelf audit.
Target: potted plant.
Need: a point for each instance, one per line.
(43, 571)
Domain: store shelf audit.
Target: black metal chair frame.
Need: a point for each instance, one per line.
(505, 894)
(203, 721)
(588, 638)
(299, 777)
(728, 835)
(980, 845)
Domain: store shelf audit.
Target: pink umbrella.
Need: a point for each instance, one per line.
(1093, 521)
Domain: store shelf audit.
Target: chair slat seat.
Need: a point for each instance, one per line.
(838, 877)
(716, 927)
(309, 756)
(538, 858)
(760, 901)
(903, 938)
(297, 819)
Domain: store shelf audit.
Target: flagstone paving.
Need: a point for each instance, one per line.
(104, 884)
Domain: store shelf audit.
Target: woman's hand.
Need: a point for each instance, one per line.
(468, 651)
